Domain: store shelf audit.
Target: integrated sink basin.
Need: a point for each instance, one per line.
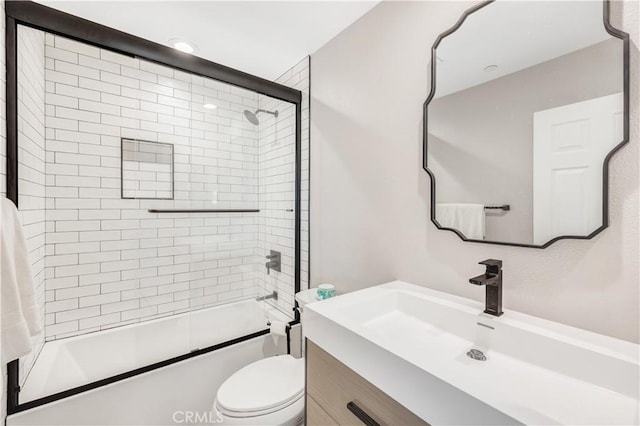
(449, 363)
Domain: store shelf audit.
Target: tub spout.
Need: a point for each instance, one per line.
(273, 296)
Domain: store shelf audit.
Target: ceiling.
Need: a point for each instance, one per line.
(264, 38)
(514, 35)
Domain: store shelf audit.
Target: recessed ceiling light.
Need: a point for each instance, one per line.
(209, 106)
(182, 45)
(490, 68)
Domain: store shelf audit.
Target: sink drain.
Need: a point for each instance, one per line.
(476, 354)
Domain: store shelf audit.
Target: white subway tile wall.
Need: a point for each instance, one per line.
(299, 77)
(109, 261)
(277, 187)
(31, 168)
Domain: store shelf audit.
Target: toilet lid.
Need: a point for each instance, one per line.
(263, 385)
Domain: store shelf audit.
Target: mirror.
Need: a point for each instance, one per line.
(528, 101)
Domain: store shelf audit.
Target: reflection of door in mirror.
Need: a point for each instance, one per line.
(569, 145)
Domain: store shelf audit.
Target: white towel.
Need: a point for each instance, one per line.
(469, 219)
(20, 313)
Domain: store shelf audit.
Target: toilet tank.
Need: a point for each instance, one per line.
(305, 297)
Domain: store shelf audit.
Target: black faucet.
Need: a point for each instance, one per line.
(492, 280)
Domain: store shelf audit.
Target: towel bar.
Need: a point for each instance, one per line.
(504, 207)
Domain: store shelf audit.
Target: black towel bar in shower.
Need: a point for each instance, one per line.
(504, 207)
(203, 211)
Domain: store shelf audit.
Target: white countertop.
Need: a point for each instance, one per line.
(537, 372)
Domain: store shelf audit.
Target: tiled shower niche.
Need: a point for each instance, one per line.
(147, 169)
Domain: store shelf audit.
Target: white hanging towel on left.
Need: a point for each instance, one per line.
(20, 313)
(467, 218)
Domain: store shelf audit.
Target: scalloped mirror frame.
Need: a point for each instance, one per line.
(605, 170)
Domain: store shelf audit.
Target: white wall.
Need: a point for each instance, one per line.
(370, 196)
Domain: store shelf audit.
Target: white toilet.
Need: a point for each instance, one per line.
(266, 392)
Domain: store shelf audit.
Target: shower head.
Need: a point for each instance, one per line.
(253, 116)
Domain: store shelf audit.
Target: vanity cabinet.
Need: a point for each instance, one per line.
(336, 395)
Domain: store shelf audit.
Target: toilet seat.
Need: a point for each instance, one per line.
(263, 387)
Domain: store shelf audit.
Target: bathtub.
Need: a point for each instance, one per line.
(76, 361)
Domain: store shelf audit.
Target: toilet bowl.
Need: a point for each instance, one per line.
(266, 392)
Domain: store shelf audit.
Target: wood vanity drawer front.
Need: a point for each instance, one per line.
(316, 416)
(333, 385)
